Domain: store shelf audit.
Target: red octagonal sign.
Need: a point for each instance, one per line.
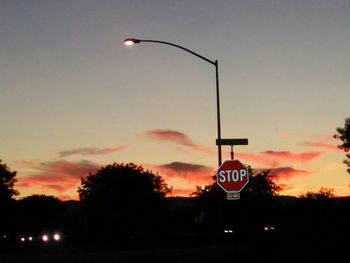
(232, 176)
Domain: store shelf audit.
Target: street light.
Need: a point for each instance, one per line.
(132, 41)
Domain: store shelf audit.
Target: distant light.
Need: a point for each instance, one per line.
(23, 239)
(56, 237)
(228, 231)
(45, 238)
(30, 238)
(268, 228)
(131, 41)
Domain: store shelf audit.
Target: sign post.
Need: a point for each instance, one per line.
(232, 176)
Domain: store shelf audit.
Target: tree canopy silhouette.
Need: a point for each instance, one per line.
(344, 136)
(257, 200)
(7, 194)
(323, 193)
(260, 184)
(7, 182)
(41, 213)
(123, 198)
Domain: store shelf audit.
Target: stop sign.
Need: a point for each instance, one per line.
(232, 176)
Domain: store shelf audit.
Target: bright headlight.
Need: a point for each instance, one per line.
(56, 237)
(45, 238)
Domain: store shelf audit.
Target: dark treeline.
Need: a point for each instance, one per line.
(302, 226)
(124, 206)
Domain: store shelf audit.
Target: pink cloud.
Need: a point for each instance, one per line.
(303, 157)
(322, 145)
(275, 158)
(92, 151)
(65, 169)
(169, 135)
(272, 160)
(59, 176)
(193, 173)
(56, 187)
(258, 159)
(177, 138)
(286, 173)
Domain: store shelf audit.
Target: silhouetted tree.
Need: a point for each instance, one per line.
(257, 201)
(314, 210)
(38, 213)
(7, 194)
(7, 182)
(122, 199)
(323, 193)
(344, 136)
(260, 184)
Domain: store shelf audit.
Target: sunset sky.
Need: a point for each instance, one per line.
(73, 98)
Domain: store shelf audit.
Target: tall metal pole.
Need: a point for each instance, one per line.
(131, 41)
(218, 112)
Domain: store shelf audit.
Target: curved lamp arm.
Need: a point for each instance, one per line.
(132, 41)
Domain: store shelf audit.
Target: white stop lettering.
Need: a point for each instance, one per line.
(232, 175)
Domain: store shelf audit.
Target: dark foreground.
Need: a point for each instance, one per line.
(201, 254)
(270, 246)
